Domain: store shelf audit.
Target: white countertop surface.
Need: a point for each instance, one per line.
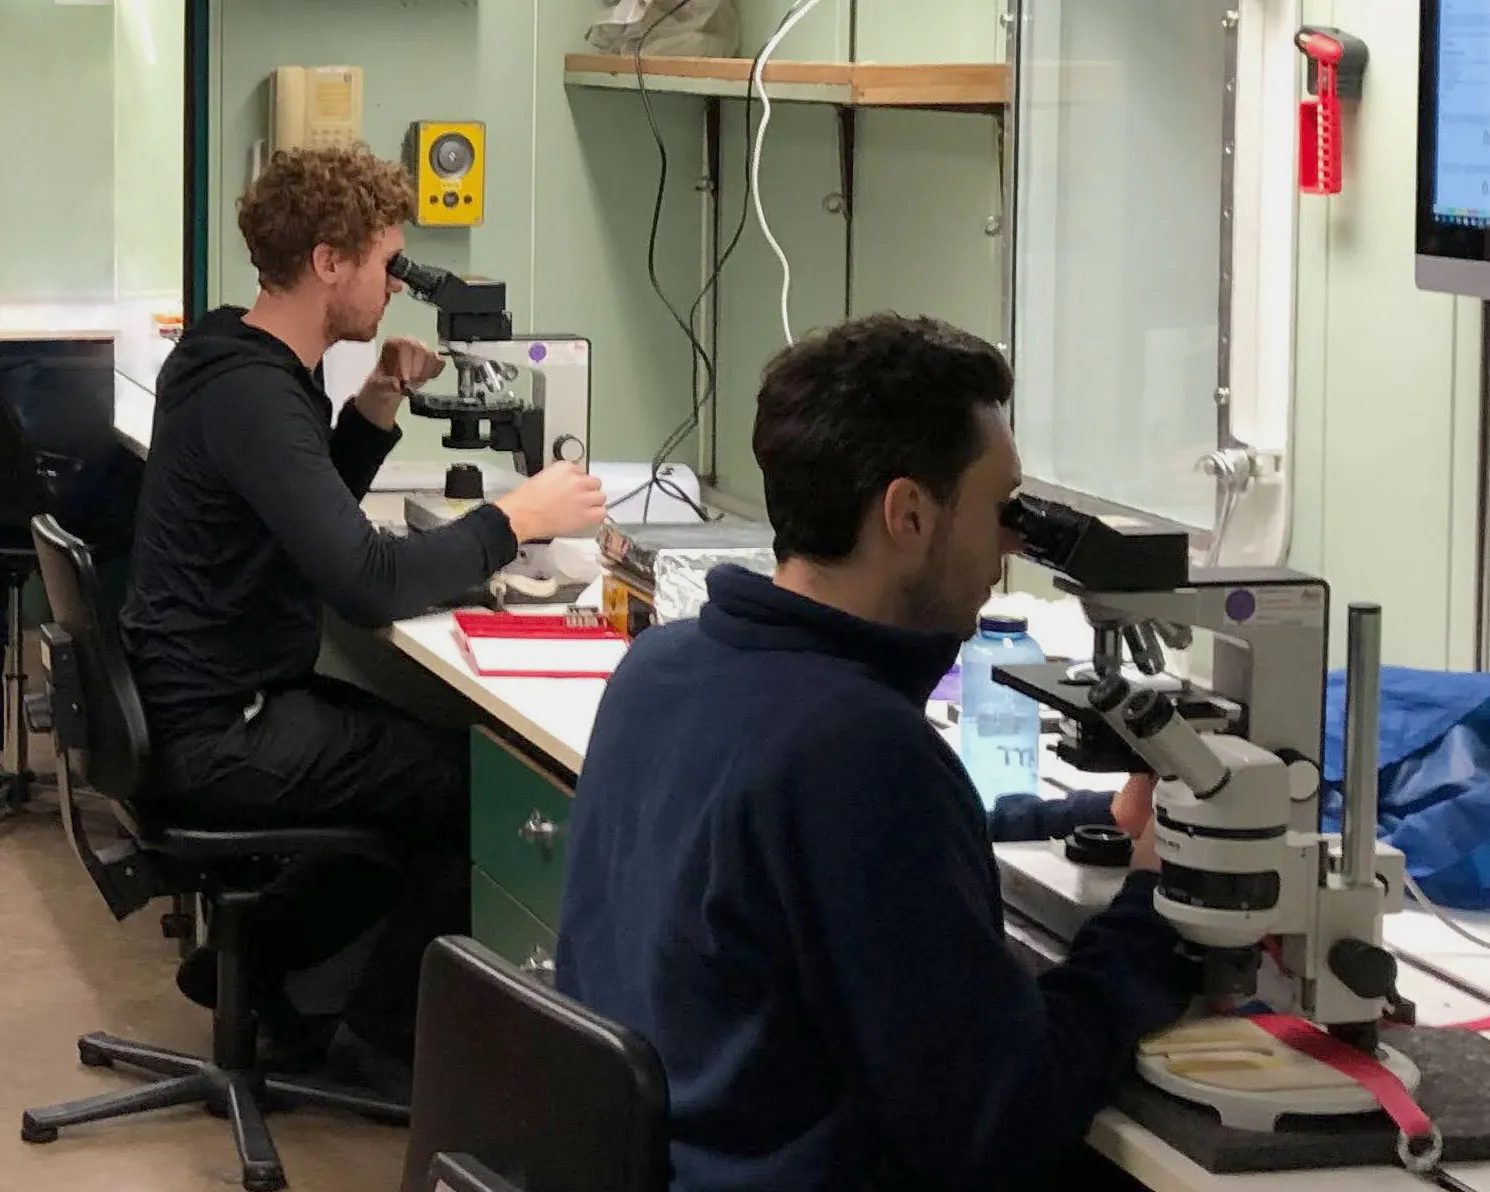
(556, 715)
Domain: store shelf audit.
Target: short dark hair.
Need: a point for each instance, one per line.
(844, 413)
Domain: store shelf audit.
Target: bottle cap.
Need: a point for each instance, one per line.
(995, 624)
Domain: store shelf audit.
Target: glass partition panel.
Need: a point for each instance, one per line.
(1117, 248)
(149, 106)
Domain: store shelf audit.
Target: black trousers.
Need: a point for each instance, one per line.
(331, 755)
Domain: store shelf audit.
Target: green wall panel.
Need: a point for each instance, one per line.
(799, 170)
(927, 187)
(148, 100)
(821, 36)
(56, 121)
(598, 169)
(930, 31)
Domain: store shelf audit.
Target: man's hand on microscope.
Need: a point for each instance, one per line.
(561, 501)
(403, 364)
(1133, 812)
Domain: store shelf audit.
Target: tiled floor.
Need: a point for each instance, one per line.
(66, 968)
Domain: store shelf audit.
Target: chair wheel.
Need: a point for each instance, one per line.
(93, 1056)
(31, 1132)
(178, 926)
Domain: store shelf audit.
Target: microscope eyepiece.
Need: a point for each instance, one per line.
(423, 280)
(1147, 713)
(1049, 531)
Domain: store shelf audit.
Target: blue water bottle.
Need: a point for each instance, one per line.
(1000, 727)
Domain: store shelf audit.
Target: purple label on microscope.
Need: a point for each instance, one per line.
(1240, 604)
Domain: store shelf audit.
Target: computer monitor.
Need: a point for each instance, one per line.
(1453, 202)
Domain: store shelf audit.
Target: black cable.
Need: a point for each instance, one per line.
(700, 353)
(692, 421)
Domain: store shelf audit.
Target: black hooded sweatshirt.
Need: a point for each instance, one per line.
(249, 522)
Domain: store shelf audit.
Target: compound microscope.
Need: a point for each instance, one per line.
(1272, 909)
(487, 412)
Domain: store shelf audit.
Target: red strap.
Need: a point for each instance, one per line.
(1474, 1024)
(1391, 1094)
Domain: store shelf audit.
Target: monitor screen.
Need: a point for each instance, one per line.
(1453, 206)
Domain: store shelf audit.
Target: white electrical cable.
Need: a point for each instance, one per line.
(802, 8)
(1440, 914)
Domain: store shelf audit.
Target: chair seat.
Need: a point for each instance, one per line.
(196, 844)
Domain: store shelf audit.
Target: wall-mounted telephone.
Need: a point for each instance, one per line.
(315, 107)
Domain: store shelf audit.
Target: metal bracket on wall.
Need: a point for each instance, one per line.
(841, 202)
(1224, 437)
(710, 186)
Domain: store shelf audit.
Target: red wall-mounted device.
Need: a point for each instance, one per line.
(1337, 70)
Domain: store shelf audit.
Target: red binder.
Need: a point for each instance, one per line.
(535, 646)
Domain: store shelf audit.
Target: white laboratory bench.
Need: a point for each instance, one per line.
(555, 717)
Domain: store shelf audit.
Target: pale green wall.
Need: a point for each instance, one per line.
(570, 179)
(573, 177)
(149, 52)
(926, 186)
(57, 184)
(1386, 439)
(930, 31)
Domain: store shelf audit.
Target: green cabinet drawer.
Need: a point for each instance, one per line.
(518, 815)
(509, 930)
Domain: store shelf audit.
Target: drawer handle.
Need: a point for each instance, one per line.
(540, 830)
(539, 964)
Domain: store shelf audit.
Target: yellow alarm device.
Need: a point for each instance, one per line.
(447, 161)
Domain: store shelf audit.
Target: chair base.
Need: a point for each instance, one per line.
(241, 1097)
(15, 792)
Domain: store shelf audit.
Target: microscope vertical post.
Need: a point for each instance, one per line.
(1362, 737)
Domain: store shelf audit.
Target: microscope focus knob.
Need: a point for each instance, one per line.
(1365, 969)
(464, 482)
(567, 447)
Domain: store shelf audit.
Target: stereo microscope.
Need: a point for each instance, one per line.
(1273, 909)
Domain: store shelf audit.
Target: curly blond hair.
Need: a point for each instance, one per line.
(305, 197)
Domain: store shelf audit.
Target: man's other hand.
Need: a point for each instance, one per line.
(1133, 806)
(403, 364)
(561, 501)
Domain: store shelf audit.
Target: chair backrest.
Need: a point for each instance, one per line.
(24, 488)
(546, 1094)
(462, 1173)
(116, 759)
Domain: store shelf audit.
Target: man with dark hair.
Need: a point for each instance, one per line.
(248, 524)
(780, 875)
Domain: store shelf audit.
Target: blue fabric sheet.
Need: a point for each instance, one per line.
(1434, 777)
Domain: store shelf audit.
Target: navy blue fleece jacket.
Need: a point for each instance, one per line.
(780, 875)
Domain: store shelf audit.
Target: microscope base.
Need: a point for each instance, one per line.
(1455, 1068)
(1253, 1080)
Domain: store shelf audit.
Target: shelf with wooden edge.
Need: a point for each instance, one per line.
(951, 86)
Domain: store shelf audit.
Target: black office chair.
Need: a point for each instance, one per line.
(28, 487)
(513, 1077)
(464, 1173)
(96, 720)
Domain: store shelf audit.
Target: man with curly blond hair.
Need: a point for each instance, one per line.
(249, 523)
